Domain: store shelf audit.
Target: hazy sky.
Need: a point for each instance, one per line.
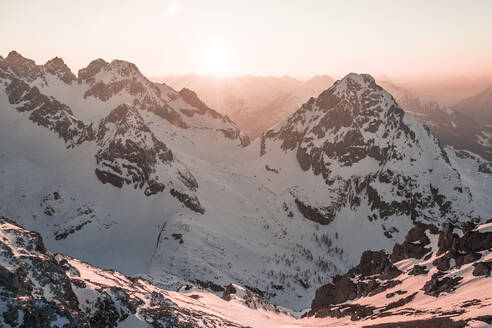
(235, 37)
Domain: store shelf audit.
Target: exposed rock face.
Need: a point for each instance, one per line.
(482, 268)
(57, 66)
(414, 244)
(40, 289)
(248, 299)
(191, 202)
(427, 323)
(126, 78)
(357, 139)
(319, 215)
(129, 151)
(376, 272)
(436, 286)
(462, 250)
(373, 275)
(418, 269)
(21, 66)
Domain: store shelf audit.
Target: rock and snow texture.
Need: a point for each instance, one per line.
(40, 289)
(428, 276)
(432, 274)
(128, 174)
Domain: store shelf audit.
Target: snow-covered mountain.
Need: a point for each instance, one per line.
(453, 127)
(357, 145)
(132, 175)
(432, 279)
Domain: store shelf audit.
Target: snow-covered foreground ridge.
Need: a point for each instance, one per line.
(42, 289)
(132, 175)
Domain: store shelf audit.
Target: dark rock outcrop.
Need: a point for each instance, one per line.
(482, 268)
(438, 285)
(417, 270)
(129, 152)
(414, 244)
(319, 215)
(191, 202)
(376, 272)
(364, 279)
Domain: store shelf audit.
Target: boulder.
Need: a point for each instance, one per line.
(482, 268)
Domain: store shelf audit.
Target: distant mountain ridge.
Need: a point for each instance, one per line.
(464, 126)
(254, 103)
(478, 106)
(455, 128)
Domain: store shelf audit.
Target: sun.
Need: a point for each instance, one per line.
(217, 60)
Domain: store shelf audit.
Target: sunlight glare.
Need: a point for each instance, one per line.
(217, 60)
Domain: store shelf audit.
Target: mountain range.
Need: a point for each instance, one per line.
(128, 174)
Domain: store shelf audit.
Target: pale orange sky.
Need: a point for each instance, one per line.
(238, 37)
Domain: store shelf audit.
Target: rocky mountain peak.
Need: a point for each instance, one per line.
(57, 66)
(355, 117)
(16, 59)
(21, 66)
(118, 69)
(87, 74)
(354, 81)
(124, 68)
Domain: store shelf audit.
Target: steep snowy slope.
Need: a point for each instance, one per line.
(452, 127)
(132, 175)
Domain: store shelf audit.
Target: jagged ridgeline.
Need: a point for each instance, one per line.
(128, 152)
(129, 174)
